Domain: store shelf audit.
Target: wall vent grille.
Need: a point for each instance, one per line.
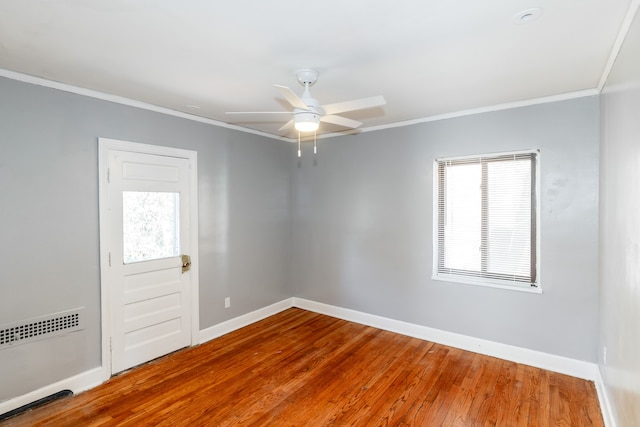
(41, 327)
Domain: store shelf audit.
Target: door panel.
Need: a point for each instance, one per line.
(150, 298)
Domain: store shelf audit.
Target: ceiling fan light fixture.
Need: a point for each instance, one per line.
(308, 112)
(306, 122)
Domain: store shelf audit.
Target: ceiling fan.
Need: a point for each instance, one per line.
(307, 111)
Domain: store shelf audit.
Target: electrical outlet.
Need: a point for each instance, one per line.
(604, 354)
(227, 302)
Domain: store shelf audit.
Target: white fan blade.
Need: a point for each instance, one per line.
(286, 125)
(341, 121)
(258, 112)
(292, 97)
(356, 104)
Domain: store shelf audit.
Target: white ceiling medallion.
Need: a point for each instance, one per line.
(527, 16)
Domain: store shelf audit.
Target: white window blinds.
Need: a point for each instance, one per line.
(486, 218)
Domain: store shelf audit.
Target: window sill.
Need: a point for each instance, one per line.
(487, 283)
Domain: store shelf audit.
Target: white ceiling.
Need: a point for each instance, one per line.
(426, 57)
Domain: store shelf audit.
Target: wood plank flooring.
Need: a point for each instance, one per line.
(299, 368)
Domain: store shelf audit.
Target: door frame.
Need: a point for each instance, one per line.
(105, 145)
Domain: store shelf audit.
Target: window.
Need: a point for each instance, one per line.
(150, 225)
(485, 222)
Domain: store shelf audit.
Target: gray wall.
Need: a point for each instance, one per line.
(351, 227)
(620, 233)
(362, 227)
(49, 219)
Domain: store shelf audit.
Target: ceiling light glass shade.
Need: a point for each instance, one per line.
(306, 122)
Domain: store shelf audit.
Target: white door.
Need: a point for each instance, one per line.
(149, 290)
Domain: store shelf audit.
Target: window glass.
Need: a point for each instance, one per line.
(463, 225)
(151, 225)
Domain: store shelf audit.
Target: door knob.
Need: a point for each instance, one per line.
(186, 263)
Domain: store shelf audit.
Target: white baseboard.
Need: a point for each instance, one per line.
(77, 383)
(605, 404)
(95, 377)
(560, 364)
(244, 320)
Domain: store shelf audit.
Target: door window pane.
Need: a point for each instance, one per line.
(150, 225)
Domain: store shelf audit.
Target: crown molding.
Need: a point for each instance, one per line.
(26, 78)
(163, 110)
(617, 45)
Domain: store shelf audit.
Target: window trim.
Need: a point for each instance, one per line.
(483, 281)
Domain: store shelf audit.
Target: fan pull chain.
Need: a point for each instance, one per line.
(299, 151)
(315, 146)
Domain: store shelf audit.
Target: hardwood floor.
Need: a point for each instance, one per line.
(299, 368)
